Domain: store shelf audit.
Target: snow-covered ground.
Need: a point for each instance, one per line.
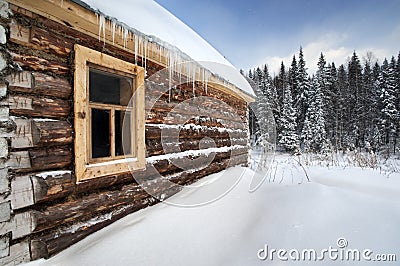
(357, 207)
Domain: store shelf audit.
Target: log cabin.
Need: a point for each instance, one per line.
(97, 110)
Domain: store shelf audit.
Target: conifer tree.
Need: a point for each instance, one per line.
(288, 137)
(314, 134)
(332, 107)
(372, 108)
(342, 85)
(389, 113)
(300, 97)
(293, 77)
(356, 105)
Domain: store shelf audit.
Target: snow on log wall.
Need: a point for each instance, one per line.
(42, 209)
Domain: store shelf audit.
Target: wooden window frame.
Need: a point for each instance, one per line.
(86, 167)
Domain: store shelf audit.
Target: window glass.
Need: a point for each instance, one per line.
(109, 88)
(100, 133)
(123, 133)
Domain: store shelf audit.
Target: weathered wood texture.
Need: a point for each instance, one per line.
(40, 133)
(33, 62)
(32, 106)
(168, 146)
(51, 242)
(49, 209)
(40, 84)
(39, 160)
(97, 203)
(47, 244)
(44, 35)
(192, 131)
(18, 253)
(183, 92)
(42, 187)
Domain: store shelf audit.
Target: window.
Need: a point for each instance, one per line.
(109, 115)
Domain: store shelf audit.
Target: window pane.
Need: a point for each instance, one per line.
(123, 134)
(109, 88)
(100, 133)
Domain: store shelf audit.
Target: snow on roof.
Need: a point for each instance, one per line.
(153, 20)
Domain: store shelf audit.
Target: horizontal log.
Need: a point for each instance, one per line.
(88, 206)
(69, 34)
(36, 188)
(39, 39)
(46, 133)
(40, 160)
(32, 62)
(161, 117)
(163, 166)
(40, 133)
(135, 198)
(191, 131)
(155, 87)
(192, 109)
(50, 158)
(155, 147)
(40, 84)
(51, 242)
(50, 42)
(205, 102)
(49, 186)
(32, 106)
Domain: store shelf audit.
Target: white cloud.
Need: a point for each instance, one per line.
(333, 46)
(329, 44)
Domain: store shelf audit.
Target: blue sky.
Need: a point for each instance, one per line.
(253, 32)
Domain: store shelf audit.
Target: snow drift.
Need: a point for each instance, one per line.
(286, 212)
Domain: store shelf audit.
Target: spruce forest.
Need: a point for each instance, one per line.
(355, 106)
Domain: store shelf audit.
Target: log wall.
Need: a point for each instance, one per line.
(42, 209)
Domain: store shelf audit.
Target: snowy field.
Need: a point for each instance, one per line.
(344, 209)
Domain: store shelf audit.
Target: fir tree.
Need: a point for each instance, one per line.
(314, 134)
(372, 108)
(332, 118)
(300, 97)
(250, 75)
(356, 105)
(293, 77)
(342, 85)
(389, 112)
(288, 137)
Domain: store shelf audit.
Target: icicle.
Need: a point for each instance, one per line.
(194, 81)
(113, 27)
(207, 77)
(170, 73)
(125, 36)
(180, 71)
(102, 28)
(136, 47)
(145, 54)
(140, 48)
(189, 68)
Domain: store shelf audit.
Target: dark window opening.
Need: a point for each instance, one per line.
(109, 88)
(100, 133)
